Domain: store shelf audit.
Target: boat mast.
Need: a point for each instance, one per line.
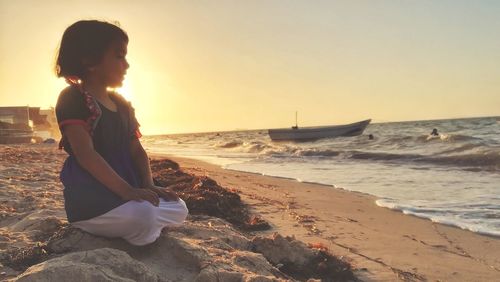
(296, 125)
(28, 114)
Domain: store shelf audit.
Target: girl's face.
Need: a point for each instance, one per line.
(113, 66)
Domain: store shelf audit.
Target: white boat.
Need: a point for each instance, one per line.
(316, 132)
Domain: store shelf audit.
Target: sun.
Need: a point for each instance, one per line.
(125, 90)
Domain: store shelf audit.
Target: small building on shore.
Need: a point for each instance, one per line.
(26, 124)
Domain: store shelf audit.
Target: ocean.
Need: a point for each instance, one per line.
(452, 179)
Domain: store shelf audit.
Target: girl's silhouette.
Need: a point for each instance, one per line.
(108, 187)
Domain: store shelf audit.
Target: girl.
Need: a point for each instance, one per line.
(108, 187)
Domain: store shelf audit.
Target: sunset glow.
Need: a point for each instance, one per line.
(125, 90)
(224, 65)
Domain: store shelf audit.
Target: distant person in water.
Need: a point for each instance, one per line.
(434, 132)
(371, 137)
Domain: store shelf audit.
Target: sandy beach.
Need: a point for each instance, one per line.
(226, 237)
(216, 243)
(388, 245)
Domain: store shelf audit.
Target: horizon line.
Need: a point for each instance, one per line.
(259, 129)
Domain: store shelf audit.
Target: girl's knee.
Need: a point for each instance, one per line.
(142, 215)
(143, 224)
(183, 210)
(173, 213)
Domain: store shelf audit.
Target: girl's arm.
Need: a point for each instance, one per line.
(90, 160)
(141, 162)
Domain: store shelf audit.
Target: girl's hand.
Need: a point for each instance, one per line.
(142, 194)
(165, 193)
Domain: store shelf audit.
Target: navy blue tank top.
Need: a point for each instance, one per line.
(85, 197)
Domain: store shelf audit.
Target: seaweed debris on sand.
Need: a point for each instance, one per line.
(38, 245)
(204, 196)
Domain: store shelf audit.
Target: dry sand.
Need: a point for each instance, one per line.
(386, 244)
(37, 244)
(381, 244)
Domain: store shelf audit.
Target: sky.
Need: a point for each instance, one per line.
(198, 66)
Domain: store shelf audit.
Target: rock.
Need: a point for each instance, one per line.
(39, 225)
(215, 275)
(301, 262)
(207, 227)
(260, 278)
(7, 272)
(203, 249)
(220, 252)
(283, 250)
(70, 239)
(96, 265)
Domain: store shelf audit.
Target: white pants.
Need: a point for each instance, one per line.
(139, 223)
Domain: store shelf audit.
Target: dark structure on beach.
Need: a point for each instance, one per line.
(22, 124)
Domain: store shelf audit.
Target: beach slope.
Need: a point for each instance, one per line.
(387, 244)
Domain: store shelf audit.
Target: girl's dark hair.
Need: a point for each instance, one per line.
(83, 45)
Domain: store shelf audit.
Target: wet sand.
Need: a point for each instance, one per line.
(380, 244)
(386, 245)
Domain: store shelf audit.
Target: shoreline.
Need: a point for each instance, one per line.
(387, 243)
(485, 234)
(377, 243)
(376, 198)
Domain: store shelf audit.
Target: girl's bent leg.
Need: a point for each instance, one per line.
(133, 221)
(172, 213)
(140, 223)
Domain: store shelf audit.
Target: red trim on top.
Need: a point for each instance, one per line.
(138, 133)
(73, 121)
